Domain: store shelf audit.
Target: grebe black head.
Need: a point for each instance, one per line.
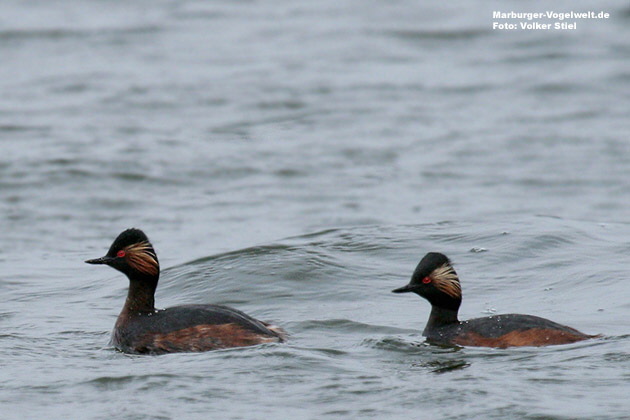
(141, 328)
(132, 254)
(435, 280)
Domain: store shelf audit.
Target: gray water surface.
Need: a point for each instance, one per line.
(296, 161)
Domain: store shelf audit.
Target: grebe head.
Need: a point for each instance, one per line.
(132, 254)
(435, 280)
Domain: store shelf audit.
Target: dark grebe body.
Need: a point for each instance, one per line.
(502, 331)
(435, 280)
(142, 329)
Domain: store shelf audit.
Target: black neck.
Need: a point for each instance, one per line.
(440, 317)
(141, 295)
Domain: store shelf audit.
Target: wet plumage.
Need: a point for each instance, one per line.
(141, 328)
(435, 279)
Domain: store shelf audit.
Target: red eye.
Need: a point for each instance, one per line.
(426, 280)
(120, 253)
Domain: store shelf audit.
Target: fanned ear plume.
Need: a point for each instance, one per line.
(141, 257)
(445, 279)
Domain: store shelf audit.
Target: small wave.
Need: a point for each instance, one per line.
(438, 35)
(67, 33)
(15, 128)
(124, 381)
(396, 344)
(346, 325)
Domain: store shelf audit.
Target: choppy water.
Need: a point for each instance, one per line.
(296, 161)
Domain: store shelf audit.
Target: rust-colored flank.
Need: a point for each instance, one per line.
(531, 337)
(202, 338)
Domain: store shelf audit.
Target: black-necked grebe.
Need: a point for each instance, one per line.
(140, 328)
(435, 280)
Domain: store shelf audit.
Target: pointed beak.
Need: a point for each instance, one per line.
(102, 260)
(405, 289)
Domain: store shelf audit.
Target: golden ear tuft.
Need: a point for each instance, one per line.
(445, 280)
(141, 256)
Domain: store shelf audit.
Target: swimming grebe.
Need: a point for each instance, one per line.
(435, 280)
(140, 328)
